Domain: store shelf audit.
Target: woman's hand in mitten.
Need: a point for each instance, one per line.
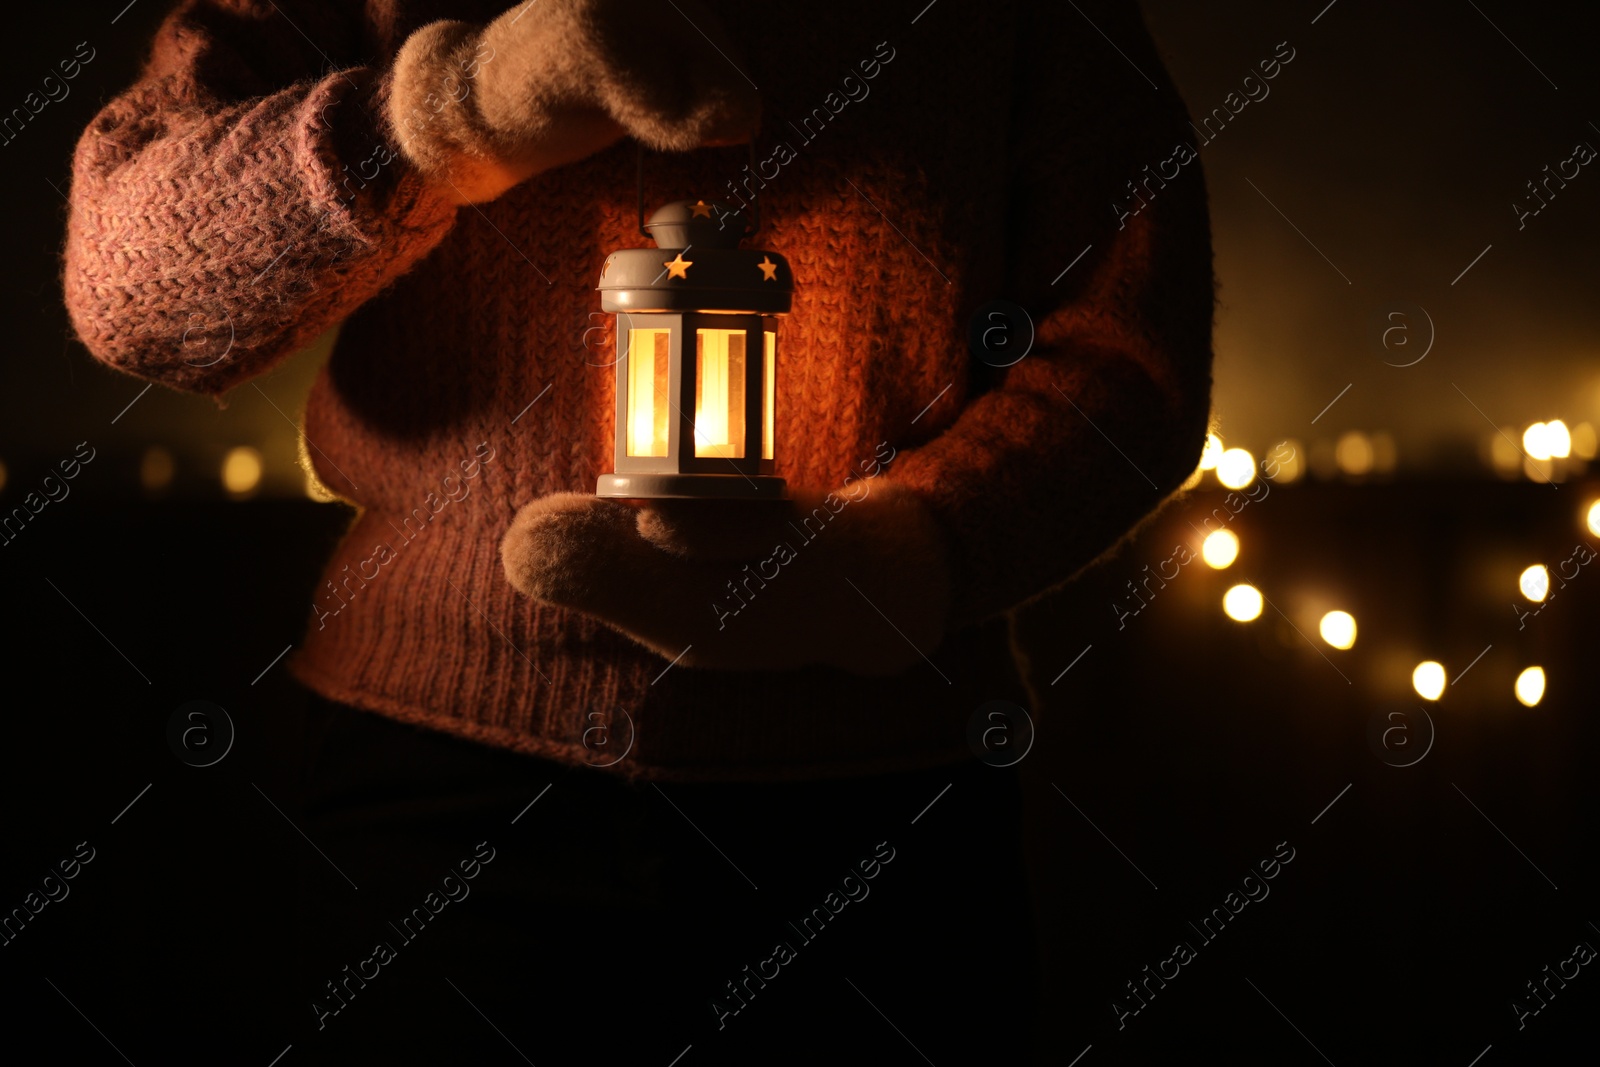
(857, 580)
(480, 108)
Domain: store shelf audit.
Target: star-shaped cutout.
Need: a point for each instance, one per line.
(769, 269)
(700, 209)
(678, 267)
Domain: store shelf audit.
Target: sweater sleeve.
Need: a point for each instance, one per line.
(243, 196)
(1070, 447)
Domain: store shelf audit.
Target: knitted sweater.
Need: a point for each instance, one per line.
(242, 198)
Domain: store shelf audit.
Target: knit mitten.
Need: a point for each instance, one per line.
(857, 579)
(478, 108)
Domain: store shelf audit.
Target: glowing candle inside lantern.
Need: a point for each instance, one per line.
(769, 404)
(648, 351)
(719, 401)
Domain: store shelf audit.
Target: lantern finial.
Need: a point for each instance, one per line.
(694, 224)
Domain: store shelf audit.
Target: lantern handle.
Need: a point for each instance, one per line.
(755, 201)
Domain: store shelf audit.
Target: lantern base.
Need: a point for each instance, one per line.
(691, 487)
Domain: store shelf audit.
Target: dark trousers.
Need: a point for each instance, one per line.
(863, 920)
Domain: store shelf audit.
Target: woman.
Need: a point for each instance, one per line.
(445, 179)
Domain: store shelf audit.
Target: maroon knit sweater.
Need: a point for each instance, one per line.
(243, 197)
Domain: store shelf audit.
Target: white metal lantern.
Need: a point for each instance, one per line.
(697, 359)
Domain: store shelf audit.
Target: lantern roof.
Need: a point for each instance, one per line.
(697, 265)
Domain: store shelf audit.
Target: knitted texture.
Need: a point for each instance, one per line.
(245, 196)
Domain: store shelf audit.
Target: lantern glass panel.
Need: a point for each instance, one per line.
(649, 403)
(719, 428)
(769, 385)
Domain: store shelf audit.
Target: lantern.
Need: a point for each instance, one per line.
(697, 359)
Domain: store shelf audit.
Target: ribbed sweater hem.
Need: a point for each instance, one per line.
(440, 619)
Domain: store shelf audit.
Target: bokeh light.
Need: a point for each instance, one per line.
(1428, 679)
(1542, 470)
(1583, 441)
(1536, 441)
(1592, 520)
(1242, 603)
(1236, 468)
(1220, 549)
(1339, 629)
(1211, 453)
(1353, 453)
(1535, 582)
(1530, 686)
(1557, 439)
(1286, 462)
(241, 470)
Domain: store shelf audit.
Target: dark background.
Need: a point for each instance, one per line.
(1171, 758)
